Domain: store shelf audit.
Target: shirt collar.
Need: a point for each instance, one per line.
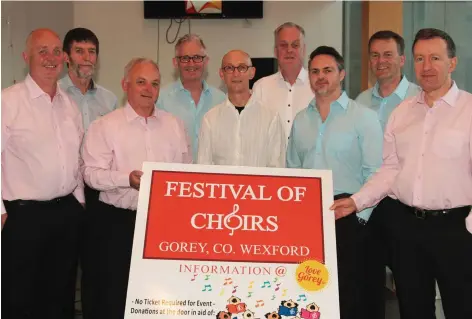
(180, 86)
(248, 104)
(131, 114)
(302, 75)
(342, 101)
(400, 91)
(35, 91)
(66, 81)
(450, 97)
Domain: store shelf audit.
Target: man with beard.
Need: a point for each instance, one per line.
(287, 91)
(190, 97)
(241, 131)
(424, 186)
(335, 133)
(115, 147)
(386, 60)
(81, 49)
(42, 188)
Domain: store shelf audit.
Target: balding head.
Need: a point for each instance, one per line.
(236, 55)
(44, 56)
(237, 70)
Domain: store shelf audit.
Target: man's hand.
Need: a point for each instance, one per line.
(4, 219)
(343, 207)
(135, 179)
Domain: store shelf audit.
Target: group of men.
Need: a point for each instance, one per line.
(71, 164)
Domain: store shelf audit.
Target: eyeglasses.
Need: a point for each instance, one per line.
(241, 68)
(187, 58)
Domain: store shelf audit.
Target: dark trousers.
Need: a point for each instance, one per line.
(39, 258)
(424, 250)
(352, 244)
(107, 249)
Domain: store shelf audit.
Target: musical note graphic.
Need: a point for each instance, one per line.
(207, 277)
(301, 297)
(284, 293)
(273, 297)
(278, 287)
(207, 288)
(249, 294)
(259, 303)
(250, 284)
(222, 292)
(228, 281)
(276, 279)
(266, 284)
(194, 276)
(234, 289)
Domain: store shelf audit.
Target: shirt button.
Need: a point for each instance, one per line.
(289, 105)
(290, 90)
(288, 121)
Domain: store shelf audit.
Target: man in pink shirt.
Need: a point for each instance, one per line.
(42, 187)
(426, 185)
(115, 147)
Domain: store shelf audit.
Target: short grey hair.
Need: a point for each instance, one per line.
(189, 37)
(135, 61)
(288, 25)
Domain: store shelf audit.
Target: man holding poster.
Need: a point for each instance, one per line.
(336, 133)
(115, 148)
(241, 131)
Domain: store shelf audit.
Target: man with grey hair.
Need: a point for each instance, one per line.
(115, 147)
(190, 97)
(288, 90)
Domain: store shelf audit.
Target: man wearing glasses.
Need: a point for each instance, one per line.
(241, 131)
(190, 97)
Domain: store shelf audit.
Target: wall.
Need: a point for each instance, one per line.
(19, 18)
(123, 34)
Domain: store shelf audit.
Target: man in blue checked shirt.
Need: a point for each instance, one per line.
(190, 97)
(386, 60)
(335, 133)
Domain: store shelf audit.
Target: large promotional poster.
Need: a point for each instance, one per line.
(233, 243)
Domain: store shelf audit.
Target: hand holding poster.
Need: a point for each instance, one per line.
(233, 242)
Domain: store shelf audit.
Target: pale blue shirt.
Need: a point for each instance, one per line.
(96, 102)
(177, 100)
(385, 105)
(349, 143)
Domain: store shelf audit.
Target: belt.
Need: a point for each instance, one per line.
(25, 202)
(426, 213)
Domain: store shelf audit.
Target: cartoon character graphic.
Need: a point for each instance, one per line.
(223, 315)
(272, 315)
(248, 314)
(312, 311)
(288, 308)
(235, 305)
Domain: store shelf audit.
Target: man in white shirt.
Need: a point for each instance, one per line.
(241, 131)
(287, 91)
(115, 147)
(42, 187)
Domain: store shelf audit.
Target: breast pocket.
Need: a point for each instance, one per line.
(449, 144)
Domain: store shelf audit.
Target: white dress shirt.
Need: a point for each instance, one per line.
(253, 138)
(119, 142)
(40, 144)
(273, 91)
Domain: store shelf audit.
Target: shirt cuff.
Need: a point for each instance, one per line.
(468, 222)
(359, 201)
(123, 180)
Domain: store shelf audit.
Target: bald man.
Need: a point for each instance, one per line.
(241, 131)
(42, 188)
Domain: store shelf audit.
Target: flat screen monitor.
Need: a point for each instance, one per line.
(217, 9)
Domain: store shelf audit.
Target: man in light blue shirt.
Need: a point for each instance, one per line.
(335, 133)
(81, 47)
(190, 97)
(386, 59)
